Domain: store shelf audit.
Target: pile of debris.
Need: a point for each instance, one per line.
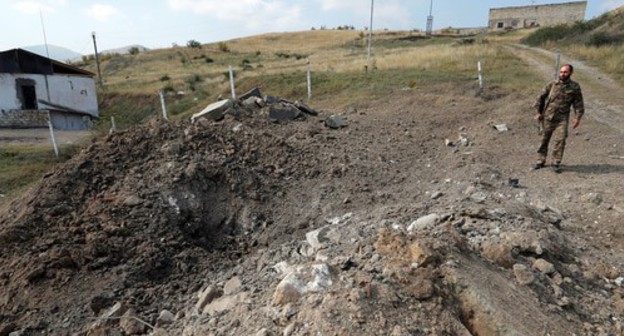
(275, 108)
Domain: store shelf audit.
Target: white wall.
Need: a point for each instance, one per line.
(8, 96)
(74, 92)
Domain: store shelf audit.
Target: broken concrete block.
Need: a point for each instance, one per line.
(271, 99)
(252, 103)
(213, 111)
(305, 108)
(283, 112)
(255, 92)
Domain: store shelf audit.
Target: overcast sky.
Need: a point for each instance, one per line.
(160, 23)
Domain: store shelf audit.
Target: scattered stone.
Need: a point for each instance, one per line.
(594, 198)
(206, 297)
(422, 253)
(501, 127)
(165, 317)
(422, 289)
(132, 201)
(544, 266)
(285, 293)
(498, 253)
(425, 222)
(317, 238)
(130, 324)
(436, 195)
(226, 303)
(263, 332)
(523, 274)
(335, 122)
(233, 286)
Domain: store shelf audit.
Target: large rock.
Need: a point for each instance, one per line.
(335, 122)
(213, 111)
(498, 253)
(424, 222)
(301, 281)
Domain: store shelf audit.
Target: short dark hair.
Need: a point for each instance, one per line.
(569, 66)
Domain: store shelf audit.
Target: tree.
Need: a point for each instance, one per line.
(193, 44)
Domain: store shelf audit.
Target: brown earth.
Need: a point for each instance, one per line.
(252, 227)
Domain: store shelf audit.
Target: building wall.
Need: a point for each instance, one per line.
(74, 92)
(23, 118)
(542, 15)
(71, 91)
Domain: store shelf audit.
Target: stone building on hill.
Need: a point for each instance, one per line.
(536, 15)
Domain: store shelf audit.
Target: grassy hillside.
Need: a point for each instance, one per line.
(192, 77)
(599, 41)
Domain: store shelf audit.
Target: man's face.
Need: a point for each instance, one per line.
(564, 73)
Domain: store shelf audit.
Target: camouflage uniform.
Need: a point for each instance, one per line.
(556, 111)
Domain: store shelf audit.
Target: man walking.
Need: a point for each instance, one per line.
(553, 111)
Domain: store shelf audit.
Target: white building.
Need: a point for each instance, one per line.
(35, 89)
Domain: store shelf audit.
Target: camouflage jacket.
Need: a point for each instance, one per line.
(564, 95)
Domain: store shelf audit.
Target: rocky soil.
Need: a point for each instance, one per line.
(419, 217)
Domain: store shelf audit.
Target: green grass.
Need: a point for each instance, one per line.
(20, 166)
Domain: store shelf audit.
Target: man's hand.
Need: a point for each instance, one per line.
(575, 123)
(539, 117)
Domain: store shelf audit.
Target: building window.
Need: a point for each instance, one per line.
(500, 25)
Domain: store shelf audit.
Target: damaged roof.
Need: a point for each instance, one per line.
(22, 61)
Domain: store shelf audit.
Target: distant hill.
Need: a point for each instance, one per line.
(124, 50)
(57, 53)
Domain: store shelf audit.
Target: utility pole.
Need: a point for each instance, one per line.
(430, 20)
(97, 59)
(370, 36)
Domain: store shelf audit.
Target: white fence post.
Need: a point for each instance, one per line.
(309, 81)
(113, 127)
(232, 86)
(56, 151)
(163, 105)
(480, 75)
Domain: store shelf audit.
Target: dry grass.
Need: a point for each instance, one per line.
(606, 58)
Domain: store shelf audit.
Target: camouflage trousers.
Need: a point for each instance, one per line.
(557, 130)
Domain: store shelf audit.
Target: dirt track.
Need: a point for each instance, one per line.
(383, 227)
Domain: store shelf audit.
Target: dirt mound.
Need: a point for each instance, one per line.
(155, 205)
(405, 222)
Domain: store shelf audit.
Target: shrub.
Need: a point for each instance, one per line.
(599, 39)
(168, 88)
(134, 51)
(164, 78)
(193, 44)
(223, 47)
(208, 60)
